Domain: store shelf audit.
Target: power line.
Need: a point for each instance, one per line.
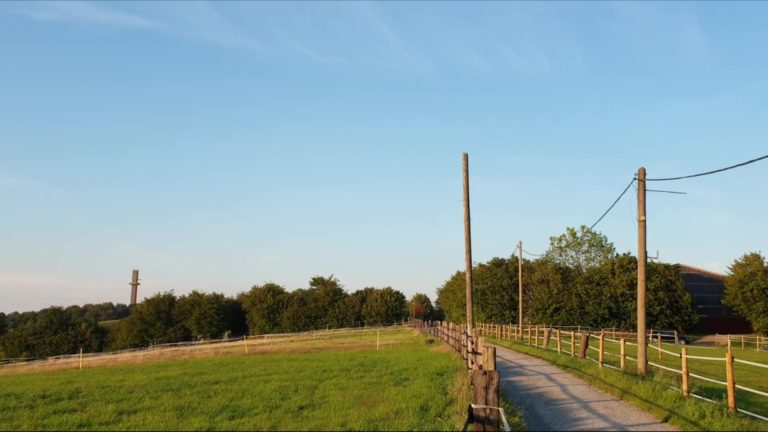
(533, 254)
(709, 172)
(666, 191)
(614, 203)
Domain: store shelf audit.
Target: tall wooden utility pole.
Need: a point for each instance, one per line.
(520, 285)
(642, 357)
(468, 246)
(134, 286)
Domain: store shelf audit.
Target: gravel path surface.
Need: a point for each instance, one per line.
(552, 399)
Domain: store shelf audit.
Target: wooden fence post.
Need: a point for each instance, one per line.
(659, 345)
(584, 344)
(547, 334)
(489, 358)
(742, 341)
(684, 360)
(600, 353)
(731, 381)
(677, 339)
(81, 357)
(245, 342)
(729, 342)
(573, 344)
(536, 339)
(485, 391)
(623, 354)
(559, 343)
(529, 335)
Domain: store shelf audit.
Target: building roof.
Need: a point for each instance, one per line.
(685, 268)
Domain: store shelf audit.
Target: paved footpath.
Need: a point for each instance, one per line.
(552, 399)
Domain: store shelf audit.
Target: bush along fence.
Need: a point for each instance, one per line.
(614, 348)
(485, 412)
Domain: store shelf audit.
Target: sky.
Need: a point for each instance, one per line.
(215, 146)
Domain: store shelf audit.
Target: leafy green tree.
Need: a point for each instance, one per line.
(420, 307)
(153, 321)
(669, 303)
(3, 324)
(234, 316)
(294, 317)
(202, 314)
(384, 306)
(264, 307)
(746, 289)
(580, 249)
(548, 295)
(352, 307)
(495, 292)
(325, 302)
(451, 298)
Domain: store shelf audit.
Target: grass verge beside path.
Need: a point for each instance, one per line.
(410, 385)
(652, 395)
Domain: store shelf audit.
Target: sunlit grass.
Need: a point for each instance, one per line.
(407, 385)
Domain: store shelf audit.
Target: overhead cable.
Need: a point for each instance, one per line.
(614, 203)
(709, 172)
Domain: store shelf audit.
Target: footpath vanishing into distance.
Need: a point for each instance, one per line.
(552, 399)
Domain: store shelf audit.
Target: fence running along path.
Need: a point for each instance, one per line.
(485, 412)
(541, 336)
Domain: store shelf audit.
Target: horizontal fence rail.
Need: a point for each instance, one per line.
(226, 342)
(574, 341)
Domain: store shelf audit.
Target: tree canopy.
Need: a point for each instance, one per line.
(746, 289)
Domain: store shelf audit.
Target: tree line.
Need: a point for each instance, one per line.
(582, 280)
(167, 318)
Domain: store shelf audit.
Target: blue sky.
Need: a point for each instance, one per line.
(219, 145)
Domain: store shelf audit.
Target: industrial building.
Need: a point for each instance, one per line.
(707, 289)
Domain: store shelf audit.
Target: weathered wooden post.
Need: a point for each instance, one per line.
(529, 335)
(729, 342)
(584, 344)
(536, 339)
(81, 357)
(677, 339)
(489, 358)
(731, 381)
(600, 352)
(559, 343)
(547, 335)
(742, 342)
(245, 343)
(684, 360)
(485, 392)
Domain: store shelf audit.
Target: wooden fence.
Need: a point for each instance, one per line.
(484, 413)
(565, 342)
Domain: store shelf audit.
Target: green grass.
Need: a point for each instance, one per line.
(408, 385)
(653, 394)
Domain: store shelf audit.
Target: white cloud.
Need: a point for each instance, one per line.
(86, 12)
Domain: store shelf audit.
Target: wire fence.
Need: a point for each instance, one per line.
(246, 341)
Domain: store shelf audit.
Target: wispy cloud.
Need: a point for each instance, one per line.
(21, 183)
(86, 12)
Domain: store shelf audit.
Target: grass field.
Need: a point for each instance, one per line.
(330, 385)
(654, 394)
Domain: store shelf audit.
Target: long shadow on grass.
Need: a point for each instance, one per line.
(580, 404)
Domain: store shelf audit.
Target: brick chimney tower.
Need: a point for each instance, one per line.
(134, 286)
